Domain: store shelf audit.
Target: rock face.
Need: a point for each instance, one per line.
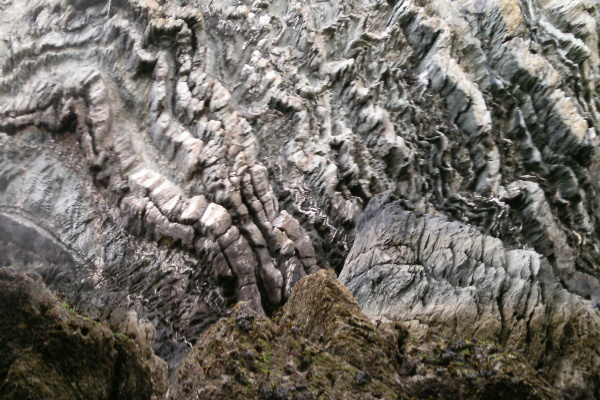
(163, 160)
(321, 346)
(450, 278)
(51, 352)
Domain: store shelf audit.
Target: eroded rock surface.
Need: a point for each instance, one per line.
(171, 158)
(321, 346)
(49, 351)
(449, 278)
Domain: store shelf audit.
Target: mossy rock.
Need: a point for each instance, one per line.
(52, 352)
(321, 346)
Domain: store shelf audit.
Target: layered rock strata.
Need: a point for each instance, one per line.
(450, 279)
(171, 158)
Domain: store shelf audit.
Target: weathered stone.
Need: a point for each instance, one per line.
(118, 118)
(270, 277)
(289, 225)
(51, 351)
(194, 210)
(228, 237)
(215, 220)
(240, 257)
(449, 278)
(322, 343)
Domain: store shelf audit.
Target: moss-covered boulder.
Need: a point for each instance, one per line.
(321, 346)
(51, 352)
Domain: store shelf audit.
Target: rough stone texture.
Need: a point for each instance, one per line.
(173, 157)
(450, 278)
(321, 346)
(51, 352)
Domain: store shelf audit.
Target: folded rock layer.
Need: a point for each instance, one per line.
(448, 278)
(162, 160)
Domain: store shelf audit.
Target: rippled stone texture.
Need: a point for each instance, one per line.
(173, 158)
(448, 278)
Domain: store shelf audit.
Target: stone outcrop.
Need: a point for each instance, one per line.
(49, 351)
(321, 346)
(166, 159)
(449, 278)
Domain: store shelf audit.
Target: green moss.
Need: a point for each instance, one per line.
(321, 342)
(120, 336)
(68, 308)
(73, 312)
(265, 362)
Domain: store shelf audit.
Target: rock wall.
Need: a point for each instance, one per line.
(49, 351)
(449, 279)
(172, 158)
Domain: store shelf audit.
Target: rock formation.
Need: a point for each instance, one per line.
(449, 278)
(321, 346)
(162, 160)
(50, 352)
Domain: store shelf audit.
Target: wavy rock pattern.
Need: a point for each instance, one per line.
(172, 158)
(450, 279)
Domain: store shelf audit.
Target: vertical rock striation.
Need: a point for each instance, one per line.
(170, 158)
(447, 278)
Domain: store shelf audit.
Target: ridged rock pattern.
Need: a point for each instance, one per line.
(174, 157)
(448, 278)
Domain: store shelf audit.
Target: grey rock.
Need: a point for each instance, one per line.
(447, 278)
(139, 138)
